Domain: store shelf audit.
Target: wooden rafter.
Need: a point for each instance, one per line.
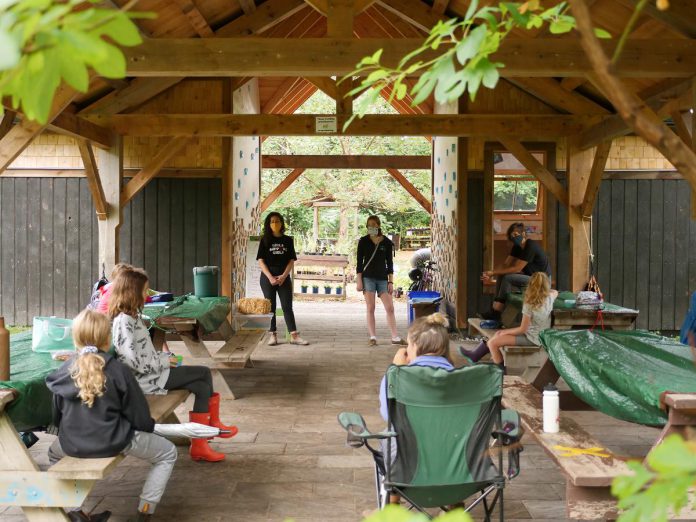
(323, 6)
(599, 163)
(550, 91)
(415, 12)
(325, 85)
(680, 127)
(7, 121)
(528, 126)
(340, 16)
(248, 6)
(21, 135)
(195, 18)
(614, 126)
(282, 187)
(152, 168)
(408, 186)
(280, 95)
(77, 127)
(366, 161)
(537, 169)
(440, 6)
(679, 16)
(93, 179)
(570, 84)
(531, 57)
(266, 16)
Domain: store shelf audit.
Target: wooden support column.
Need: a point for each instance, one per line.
(598, 164)
(462, 252)
(578, 170)
(111, 175)
(315, 225)
(227, 229)
(488, 175)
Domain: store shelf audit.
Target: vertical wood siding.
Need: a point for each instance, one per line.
(49, 240)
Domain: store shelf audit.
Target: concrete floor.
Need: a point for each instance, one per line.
(290, 459)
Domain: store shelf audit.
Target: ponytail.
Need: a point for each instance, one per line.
(91, 331)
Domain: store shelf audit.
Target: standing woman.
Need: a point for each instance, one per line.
(375, 273)
(277, 258)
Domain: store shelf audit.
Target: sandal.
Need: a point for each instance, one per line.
(296, 339)
(273, 341)
(372, 341)
(399, 341)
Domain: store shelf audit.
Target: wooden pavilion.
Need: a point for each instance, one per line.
(171, 157)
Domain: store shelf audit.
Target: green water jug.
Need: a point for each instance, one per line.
(205, 281)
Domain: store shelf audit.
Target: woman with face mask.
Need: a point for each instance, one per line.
(526, 258)
(375, 272)
(276, 257)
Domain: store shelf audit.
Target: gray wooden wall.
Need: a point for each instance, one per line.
(48, 240)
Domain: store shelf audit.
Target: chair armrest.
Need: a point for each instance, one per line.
(357, 430)
(511, 429)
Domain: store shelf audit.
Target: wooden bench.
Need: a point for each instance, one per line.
(588, 476)
(42, 495)
(528, 359)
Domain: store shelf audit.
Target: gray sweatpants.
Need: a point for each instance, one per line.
(157, 450)
(509, 282)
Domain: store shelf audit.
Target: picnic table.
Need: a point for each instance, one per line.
(199, 320)
(26, 404)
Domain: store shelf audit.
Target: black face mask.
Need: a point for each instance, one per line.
(517, 240)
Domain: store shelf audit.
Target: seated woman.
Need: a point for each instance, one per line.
(101, 411)
(536, 316)
(526, 259)
(157, 372)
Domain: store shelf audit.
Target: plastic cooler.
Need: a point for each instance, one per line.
(205, 281)
(421, 297)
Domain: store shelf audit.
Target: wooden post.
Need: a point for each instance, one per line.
(227, 229)
(111, 174)
(315, 226)
(462, 230)
(578, 169)
(693, 142)
(488, 174)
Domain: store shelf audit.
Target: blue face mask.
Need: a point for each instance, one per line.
(517, 240)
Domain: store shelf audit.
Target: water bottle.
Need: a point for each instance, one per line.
(551, 409)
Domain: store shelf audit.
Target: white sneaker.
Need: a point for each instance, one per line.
(273, 339)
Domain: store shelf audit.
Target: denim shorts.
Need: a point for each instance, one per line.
(375, 285)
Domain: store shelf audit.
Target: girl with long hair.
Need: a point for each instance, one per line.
(375, 277)
(157, 372)
(536, 316)
(100, 411)
(276, 257)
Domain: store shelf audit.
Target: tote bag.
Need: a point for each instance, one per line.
(50, 334)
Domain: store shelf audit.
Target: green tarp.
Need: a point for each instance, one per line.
(562, 302)
(32, 407)
(210, 312)
(622, 373)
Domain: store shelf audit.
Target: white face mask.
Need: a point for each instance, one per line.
(373, 231)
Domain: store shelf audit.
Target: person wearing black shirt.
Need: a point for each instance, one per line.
(375, 272)
(526, 258)
(276, 257)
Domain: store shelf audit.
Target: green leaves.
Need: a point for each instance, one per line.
(45, 42)
(650, 493)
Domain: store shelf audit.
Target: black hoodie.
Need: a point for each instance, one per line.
(106, 428)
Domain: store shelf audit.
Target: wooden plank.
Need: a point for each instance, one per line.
(551, 92)
(324, 84)
(282, 187)
(266, 15)
(366, 161)
(20, 252)
(7, 121)
(139, 90)
(603, 237)
(340, 18)
(630, 243)
(440, 6)
(614, 285)
(137, 233)
(47, 217)
(680, 127)
(164, 210)
(152, 168)
(656, 230)
(578, 167)
(176, 251)
(669, 254)
(195, 18)
(248, 6)
(73, 301)
(92, 173)
(643, 261)
(6, 397)
(598, 164)
(237, 351)
(175, 173)
(533, 57)
(73, 468)
(528, 126)
(414, 12)
(7, 284)
(202, 225)
(413, 191)
(190, 231)
(150, 239)
(82, 129)
(679, 16)
(274, 104)
(681, 261)
(21, 135)
(344, 102)
(537, 169)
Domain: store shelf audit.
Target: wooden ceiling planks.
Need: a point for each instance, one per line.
(195, 18)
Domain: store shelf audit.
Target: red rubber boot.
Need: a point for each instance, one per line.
(200, 450)
(214, 409)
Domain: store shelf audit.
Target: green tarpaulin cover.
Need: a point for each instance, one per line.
(562, 302)
(622, 373)
(28, 371)
(210, 312)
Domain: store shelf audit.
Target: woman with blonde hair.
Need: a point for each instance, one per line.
(375, 277)
(100, 411)
(157, 372)
(536, 316)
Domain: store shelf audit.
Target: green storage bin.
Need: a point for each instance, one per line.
(205, 281)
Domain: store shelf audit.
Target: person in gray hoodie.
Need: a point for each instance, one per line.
(100, 411)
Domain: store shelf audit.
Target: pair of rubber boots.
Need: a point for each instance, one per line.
(200, 450)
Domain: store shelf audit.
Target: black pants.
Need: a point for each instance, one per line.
(284, 291)
(197, 380)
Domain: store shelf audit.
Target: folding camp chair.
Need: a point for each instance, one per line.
(444, 427)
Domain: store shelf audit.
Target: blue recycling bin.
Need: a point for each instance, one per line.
(424, 296)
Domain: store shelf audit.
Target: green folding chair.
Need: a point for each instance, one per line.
(445, 429)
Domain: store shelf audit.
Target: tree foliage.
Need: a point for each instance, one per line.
(44, 42)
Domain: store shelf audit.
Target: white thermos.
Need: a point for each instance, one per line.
(551, 409)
